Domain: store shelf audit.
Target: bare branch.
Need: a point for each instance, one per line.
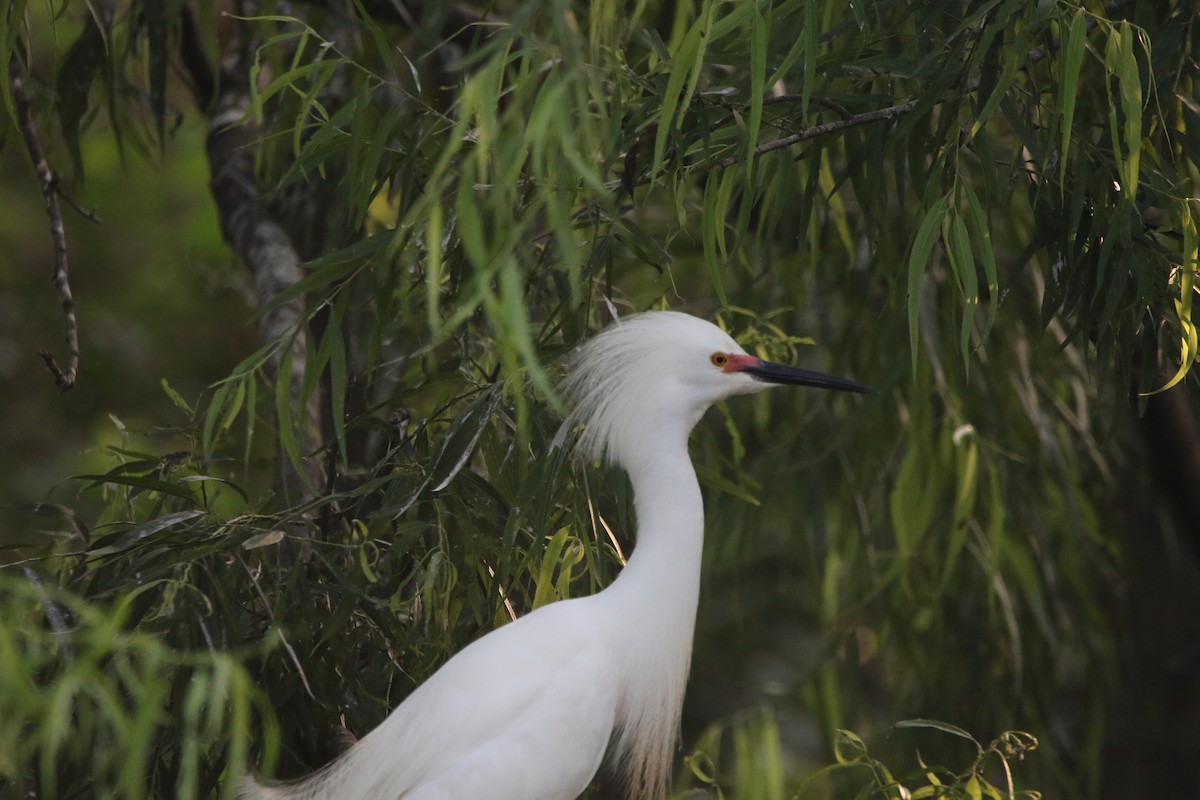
(65, 378)
(891, 112)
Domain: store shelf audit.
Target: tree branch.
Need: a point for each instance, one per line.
(258, 239)
(891, 112)
(65, 378)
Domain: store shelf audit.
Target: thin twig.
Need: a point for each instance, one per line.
(832, 105)
(87, 213)
(65, 378)
(891, 112)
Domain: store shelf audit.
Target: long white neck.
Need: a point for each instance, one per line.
(656, 597)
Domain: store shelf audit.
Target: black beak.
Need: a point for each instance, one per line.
(769, 372)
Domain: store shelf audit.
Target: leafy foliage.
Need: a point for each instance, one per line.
(984, 208)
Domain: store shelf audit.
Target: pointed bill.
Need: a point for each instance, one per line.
(770, 372)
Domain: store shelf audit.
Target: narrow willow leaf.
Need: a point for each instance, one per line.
(1189, 347)
(283, 410)
(139, 482)
(337, 371)
(136, 535)
(251, 383)
(758, 77)
(433, 267)
(809, 37)
(469, 222)
(461, 440)
(981, 238)
(849, 748)
(687, 58)
(962, 441)
(912, 501)
(83, 61)
(176, 398)
(320, 278)
(967, 469)
(963, 261)
(828, 181)
(1072, 65)
(937, 725)
(712, 219)
(1015, 62)
(145, 717)
(189, 479)
(354, 253)
(706, 18)
(518, 328)
(315, 363)
(551, 560)
(737, 16)
(158, 43)
(1129, 81)
(286, 81)
(263, 540)
(310, 107)
(381, 138)
(724, 193)
(918, 260)
(1112, 64)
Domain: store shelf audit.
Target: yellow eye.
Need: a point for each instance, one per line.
(719, 359)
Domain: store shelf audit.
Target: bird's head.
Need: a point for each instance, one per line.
(656, 373)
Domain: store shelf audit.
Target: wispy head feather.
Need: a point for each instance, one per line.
(626, 376)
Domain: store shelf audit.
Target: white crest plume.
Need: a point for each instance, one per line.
(627, 372)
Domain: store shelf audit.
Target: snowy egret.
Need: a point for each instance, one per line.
(529, 711)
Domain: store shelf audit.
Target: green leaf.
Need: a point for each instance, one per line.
(712, 221)
(849, 748)
(433, 267)
(686, 64)
(86, 58)
(1189, 339)
(1072, 65)
(188, 479)
(1129, 81)
(937, 725)
(139, 482)
(176, 398)
(808, 35)
(981, 238)
(954, 233)
(918, 260)
(548, 590)
(284, 414)
(159, 43)
(337, 372)
(457, 448)
(758, 78)
(469, 222)
(137, 534)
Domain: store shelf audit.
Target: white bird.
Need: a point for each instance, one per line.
(529, 711)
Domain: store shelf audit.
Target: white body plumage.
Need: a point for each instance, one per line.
(529, 711)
